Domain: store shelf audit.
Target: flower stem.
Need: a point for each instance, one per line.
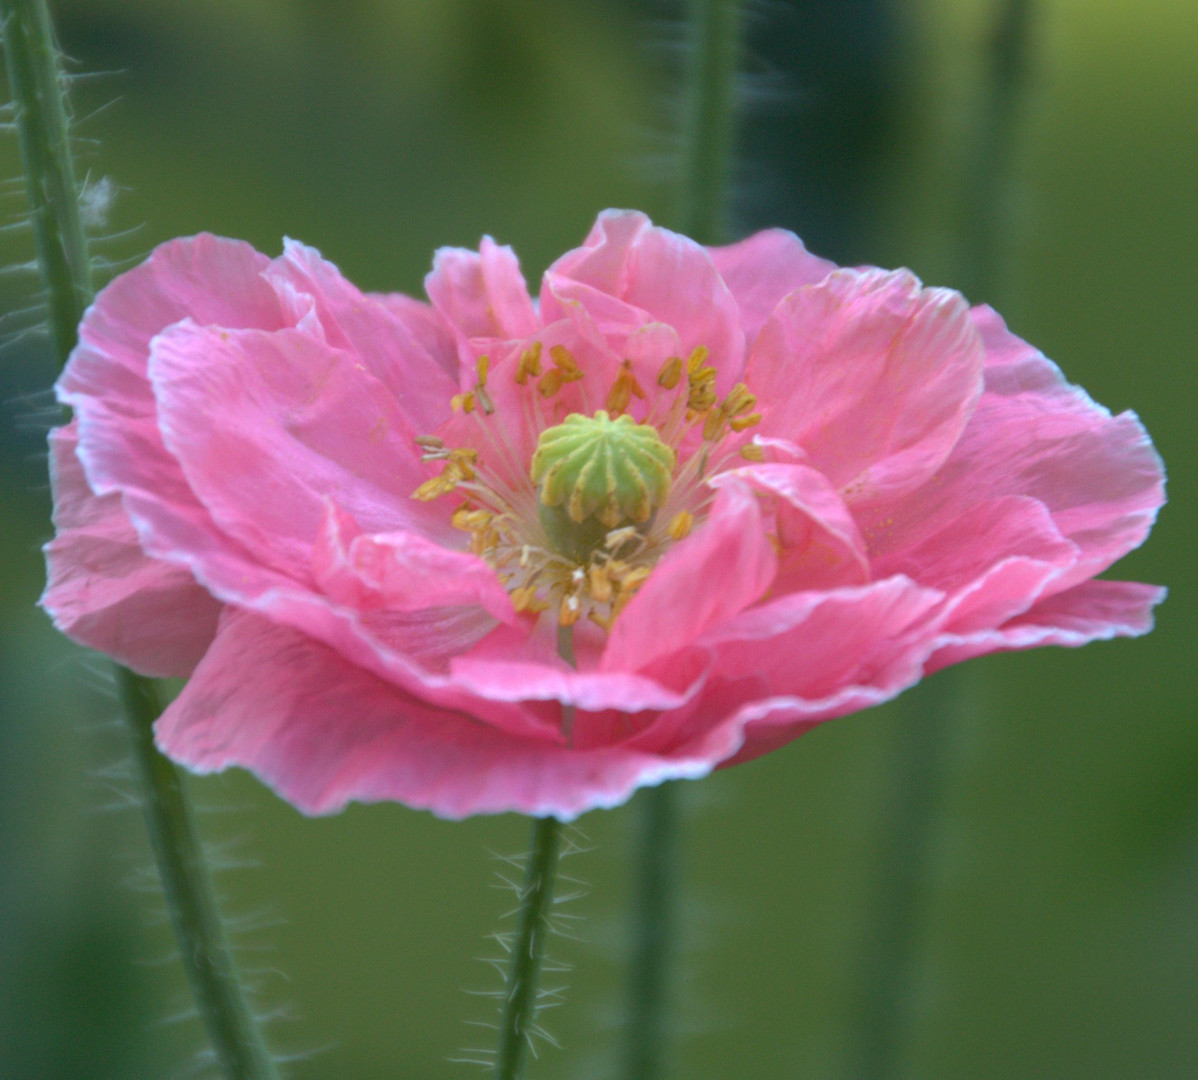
(188, 888)
(708, 135)
(655, 892)
(41, 117)
(708, 142)
(919, 767)
(520, 1007)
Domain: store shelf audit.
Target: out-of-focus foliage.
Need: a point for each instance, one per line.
(1058, 938)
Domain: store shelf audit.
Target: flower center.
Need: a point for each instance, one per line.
(596, 474)
(579, 524)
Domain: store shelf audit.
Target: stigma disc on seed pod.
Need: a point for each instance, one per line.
(594, 474)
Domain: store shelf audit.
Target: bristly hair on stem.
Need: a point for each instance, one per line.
(41, 118)
(523, 957)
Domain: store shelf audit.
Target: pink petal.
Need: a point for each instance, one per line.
(995, 560)
(401, 571)
(322, 732)
(214, 281)
(812, 645)
(783, 665)
(724, 566)
(427, 327)
(299, 421)
(821, 546)
(1033, 435)
(1093, 611)
(763, 269)
(629, 272)
(482, 294)
(365, 327)
(874, 376)
(103, 591)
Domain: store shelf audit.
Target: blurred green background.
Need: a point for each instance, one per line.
(1057, 933)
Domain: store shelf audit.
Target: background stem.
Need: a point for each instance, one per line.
(656, 876)
(708, 144)
(919, 765)
(42, 121)
(708, 134)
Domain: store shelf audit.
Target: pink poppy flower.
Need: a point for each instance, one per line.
(742, 490)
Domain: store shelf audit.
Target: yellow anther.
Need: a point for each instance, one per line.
(564, 361)
(752, 452)
(740, 423)
(739, 401)
(681, 524)
(599, 583)
(429, 442)
(624, 389)
(671, 373)
(463, 459)
(462, 402)
(700, 379)
(438, 485)
(524, 598)
(569, 611)
(634, 579)
(471, 519)
(550, 383)
(700, 397)
(713, 426)
(481, 367)
(530, 364)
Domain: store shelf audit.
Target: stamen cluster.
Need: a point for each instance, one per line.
(579, 526)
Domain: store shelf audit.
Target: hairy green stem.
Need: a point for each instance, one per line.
(187, 885)
(520, 1006)
(709, 124)
(42, 122)
(40, 115)
(918, 769)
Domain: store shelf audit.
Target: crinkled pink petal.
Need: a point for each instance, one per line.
(995, 560)
(430, 331)
(105, 593)
(1093, 611)
(365, 327)
(482, 294)
(820, 546)
(803, 658)
(323, 732)
(1034, 435)
(215, 282)
(299, 421)
(813, 644)
(627, 266)
(401, 571)
(763, 269)
(872, 375)
(725, 566)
